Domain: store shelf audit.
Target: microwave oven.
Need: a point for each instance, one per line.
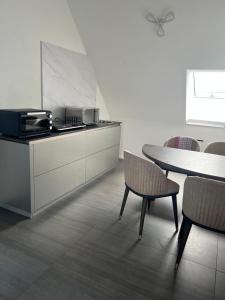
(85, 115)
(25, 122)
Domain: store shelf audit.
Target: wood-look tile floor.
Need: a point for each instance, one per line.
(79, 250)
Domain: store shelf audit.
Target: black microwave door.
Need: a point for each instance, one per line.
(34, 123)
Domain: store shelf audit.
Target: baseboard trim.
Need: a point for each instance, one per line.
(16, 210)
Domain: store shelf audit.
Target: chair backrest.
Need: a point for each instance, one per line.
(143, 176)
(216, 148)
(183, 142)
(204, 202)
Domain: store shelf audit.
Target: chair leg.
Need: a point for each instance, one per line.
(167, 172)
(126, 192)
(186, 225)
(174, 200)
(143, 211)
(181, 232)
(149, 204)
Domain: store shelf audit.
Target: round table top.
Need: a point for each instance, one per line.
(187, 162)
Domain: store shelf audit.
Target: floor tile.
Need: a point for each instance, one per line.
(39, 246)
(154, 279)
(77, 283)
(221, 254)
(17, 271)
(220, 286)
(57, 228)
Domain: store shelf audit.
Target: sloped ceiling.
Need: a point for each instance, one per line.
(142, 77)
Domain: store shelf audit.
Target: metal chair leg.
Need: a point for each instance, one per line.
(149, 204)
(174, 200)
(181, 232)
(143, 212)
(126, 192)
(186, 224)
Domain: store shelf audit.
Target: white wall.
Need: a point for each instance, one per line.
(142, 77)
(24, 23)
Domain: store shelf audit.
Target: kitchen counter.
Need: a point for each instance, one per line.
(54, 134)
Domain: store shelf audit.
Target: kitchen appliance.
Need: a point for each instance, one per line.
(25, 122)
(67, 126)
(85, 115)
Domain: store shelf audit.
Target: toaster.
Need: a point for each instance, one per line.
(84, 115)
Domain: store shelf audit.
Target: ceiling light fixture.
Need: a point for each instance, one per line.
(160, 21)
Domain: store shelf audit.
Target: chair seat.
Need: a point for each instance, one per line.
(173, 187)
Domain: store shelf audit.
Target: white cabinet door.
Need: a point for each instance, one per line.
(54, 153)
(52, 185)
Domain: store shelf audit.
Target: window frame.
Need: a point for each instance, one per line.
(191, 96)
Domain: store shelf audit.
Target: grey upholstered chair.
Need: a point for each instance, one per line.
(147, 180)
(182, 142)
(216, 148)
(204, 206)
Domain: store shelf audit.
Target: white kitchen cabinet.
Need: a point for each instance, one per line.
(36, 174)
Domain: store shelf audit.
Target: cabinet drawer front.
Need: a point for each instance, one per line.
(101, 139)
(95, 141)
(52, 185)
(101, 161)
(55, 153)
(112, 136)
(112, 157)
(95, 164)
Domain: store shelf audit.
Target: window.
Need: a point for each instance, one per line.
(205, 97)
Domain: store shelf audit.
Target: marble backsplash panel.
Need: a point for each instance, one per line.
(68, 79)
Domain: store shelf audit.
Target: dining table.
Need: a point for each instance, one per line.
(191, 163)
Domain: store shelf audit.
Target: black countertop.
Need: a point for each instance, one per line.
(53, 134)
